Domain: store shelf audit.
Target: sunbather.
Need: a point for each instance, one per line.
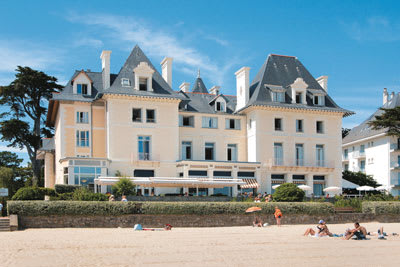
(322, 230)
(359, 231)
(257, 222)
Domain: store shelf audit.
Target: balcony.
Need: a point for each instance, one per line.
(145, 159)
(300, 164)
(345, 157)
(394, 165)
(359, 154)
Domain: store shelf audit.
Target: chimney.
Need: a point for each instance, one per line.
(185, 87)
(105, 66)
(385, 96)
(215, 90)
(392, 96)
(323, 81)
(242, 87)
(166, 68)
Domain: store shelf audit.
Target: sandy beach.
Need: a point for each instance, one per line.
(235, 246)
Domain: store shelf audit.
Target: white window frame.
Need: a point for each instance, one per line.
(214, 150)
(82, 119)
(278, 96)
(228, 124)
(144, 155)
(209, 122)
(234, 152)
(85, 139)
(123, 80)
(185, 144)
(320, 100)
(191, 119)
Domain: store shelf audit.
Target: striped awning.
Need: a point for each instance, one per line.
(299, 182)
(278, 181)
(250, 183)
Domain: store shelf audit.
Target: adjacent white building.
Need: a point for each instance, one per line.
(280, 127)
(373, 152)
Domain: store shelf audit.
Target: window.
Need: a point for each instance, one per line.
(210, 122)
(65, 175)
(85, 176)
(220, 106)
(186, 121)
(346, 153)
(298, 98)
(299, 155)
(278, 96)
(362, 165)
(362, 149)
(320, 126)
(82, 117)
(143, 84)
(278, 124)
(150, 115)
(82, 138)
(82, 88)
(136, 115)
(278, 154)
(209, 151)
(320, 155)
(125, 82)
(144, 147)
(346, 167)
(319, 100)
(233, 124)
(231, 152)
(299, 126)
(318, 190)
(186, 150)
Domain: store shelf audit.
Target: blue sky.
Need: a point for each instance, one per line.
(355, 43)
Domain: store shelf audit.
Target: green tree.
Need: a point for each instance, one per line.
(359, 178)
(12, 175)
(288, 192)
(390, 120)
(123, 187)
(23, 126)
(9, 159)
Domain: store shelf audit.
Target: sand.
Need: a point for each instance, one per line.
(235, 246)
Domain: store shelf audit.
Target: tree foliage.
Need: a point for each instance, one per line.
(23, 126)
(288, 192)
(359, 178)
(390, 119)
(12, 175)
(123, 187)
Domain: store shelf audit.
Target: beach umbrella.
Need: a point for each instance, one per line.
(332, 189)
(253, 209)
(276, 186)
(305, 187)
(384, 187)
(365, 188)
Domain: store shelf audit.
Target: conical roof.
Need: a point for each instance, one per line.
(198, 86)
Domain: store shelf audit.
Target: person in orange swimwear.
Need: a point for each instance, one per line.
(278, 216)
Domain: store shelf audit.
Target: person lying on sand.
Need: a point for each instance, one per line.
(322, 230)
(257, 222)
(359, 231)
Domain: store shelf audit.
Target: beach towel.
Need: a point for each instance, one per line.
(138, 227)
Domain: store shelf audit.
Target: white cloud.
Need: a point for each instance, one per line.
(12, 149)
(87, 41)
(156, 42)
(23, 53)
(374, 28)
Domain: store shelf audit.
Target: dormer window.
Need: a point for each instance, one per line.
(142, 84)
(278, 96)
(220, 106)
(299, 97)
(82, 88)
(319, 100)
(143, 77)
(125, 82)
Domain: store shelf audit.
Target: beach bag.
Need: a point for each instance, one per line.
(137, 227)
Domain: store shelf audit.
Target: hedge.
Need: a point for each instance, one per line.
(65, 188)
(38, 208)
(381, 207)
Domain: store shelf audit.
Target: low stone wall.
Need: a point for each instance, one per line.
(222, 220)
(179, 198)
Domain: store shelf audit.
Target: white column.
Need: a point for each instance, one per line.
(234, 176)
(310, 183)
(49, 175)
(268, 183)
(289, 178)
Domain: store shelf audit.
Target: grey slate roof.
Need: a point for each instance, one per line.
(160, 86)
(364, 130)
(278, 73)
(204, 103)
(47, 144)
(199, 87)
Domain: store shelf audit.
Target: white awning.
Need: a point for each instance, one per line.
(202, 182)
(348, 184)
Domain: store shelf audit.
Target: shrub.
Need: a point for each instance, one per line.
(379, 197)
(380, 207)
(64, 196)
(123, 187)
(288, 192)
(83, 194)
(65, 188)
(37, 208)
(355, 203)
(33, 193)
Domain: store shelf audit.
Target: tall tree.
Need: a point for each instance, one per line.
(23, 126)
(390, 119)
(359, 178)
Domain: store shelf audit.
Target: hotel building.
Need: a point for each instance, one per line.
(281, 127)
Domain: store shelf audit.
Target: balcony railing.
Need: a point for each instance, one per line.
(359, 154)
(345, 157)
(394, 146)
(301, 163)
(144, 156)
(394, 165)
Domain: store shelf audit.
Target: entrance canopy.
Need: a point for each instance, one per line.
(250, 183)
(202, 182)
